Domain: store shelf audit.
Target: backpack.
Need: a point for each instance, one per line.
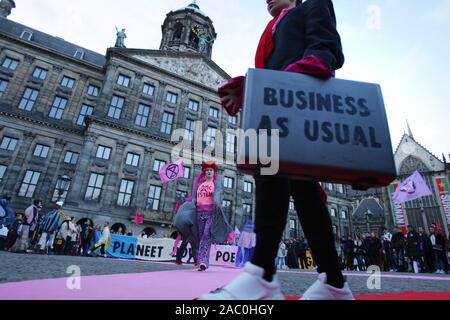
(51, 222)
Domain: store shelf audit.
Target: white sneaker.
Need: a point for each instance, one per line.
(320, 290)
(249, 285)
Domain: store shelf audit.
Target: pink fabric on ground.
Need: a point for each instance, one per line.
(163, 285)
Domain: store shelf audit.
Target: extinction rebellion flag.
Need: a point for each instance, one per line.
(412, 188)
(444, 195)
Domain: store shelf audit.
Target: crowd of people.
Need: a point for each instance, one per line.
(53, 232)
(407, 251)
(293, 254)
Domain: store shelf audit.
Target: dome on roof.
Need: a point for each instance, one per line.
(188, 29)
(194, 7)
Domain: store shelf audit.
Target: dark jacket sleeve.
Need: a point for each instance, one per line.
(322, 37)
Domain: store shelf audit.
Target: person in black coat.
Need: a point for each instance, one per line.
(302, 37)
(349, 254)
(398, 245)
(425, 246)
(374, 250)
(292, 259)
(412, 248)
(438, 246)
(301, 247)
(360, 254)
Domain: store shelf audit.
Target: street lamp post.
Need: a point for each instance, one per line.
(422, 212)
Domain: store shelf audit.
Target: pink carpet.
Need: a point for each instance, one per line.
(164, 285)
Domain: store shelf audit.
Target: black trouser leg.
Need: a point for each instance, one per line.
(68, 245)
(316, 223)
(272, 203)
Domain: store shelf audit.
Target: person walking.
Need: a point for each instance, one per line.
(302, 37)
(212, 225)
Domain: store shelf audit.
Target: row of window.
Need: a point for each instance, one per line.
(172, 98)
(30, 96)
(117, 103)
(104, 153)
(122, 80)
(331, 187)
(28, 35)
(210, 136)
(333, 211)
(41, 74)
(94, 189)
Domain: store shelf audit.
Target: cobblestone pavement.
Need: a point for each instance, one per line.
(23, 267)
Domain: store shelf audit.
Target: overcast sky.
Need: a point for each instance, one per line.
(403, 45)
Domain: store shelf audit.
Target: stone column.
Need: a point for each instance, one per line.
(113, 180)
(51, 175)
(83, 168)
(142, 182)
(157, 113)
(15, 176)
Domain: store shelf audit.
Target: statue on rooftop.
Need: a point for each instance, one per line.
(120, 41)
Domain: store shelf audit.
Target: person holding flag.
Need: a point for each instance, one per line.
(205, 205)
(412, 188)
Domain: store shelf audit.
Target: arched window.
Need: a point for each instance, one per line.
(178, 31)
(411, 164)
(335, 231)
(193, 40)
(333, 212)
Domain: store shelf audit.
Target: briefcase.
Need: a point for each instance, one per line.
(328, 130)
